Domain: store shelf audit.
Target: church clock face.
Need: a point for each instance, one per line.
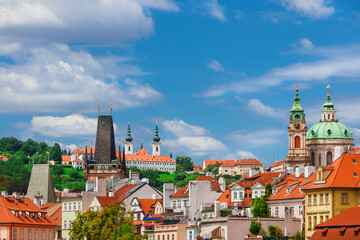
(297, 126)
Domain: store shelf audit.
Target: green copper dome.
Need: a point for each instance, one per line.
(156, 138)
(328, 127)
(328, 130)
(297, 112)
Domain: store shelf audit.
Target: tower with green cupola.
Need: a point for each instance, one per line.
(329, 138)
(156, 142)
(297, 155)
(129, 145)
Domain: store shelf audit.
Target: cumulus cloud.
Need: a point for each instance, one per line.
(215, 9)
(58, 79)
(101, 21)
(215, 65)
(260, 109)
(181, 128)
(191, 139)
(258, 138)
(310, 8)
(335, 62)
(71, 125)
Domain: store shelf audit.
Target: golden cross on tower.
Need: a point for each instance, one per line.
(328, 87)
(111, 108)
(99, 108)
(297, 84)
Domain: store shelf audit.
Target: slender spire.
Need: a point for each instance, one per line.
(297, 112)
(91, 153)
(156, 138)
(119, 157)
(328, 105)
(170, 154)
(129, 138)
(86, 153)
(141, 144)
(123, 160)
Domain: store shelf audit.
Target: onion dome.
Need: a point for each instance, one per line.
(297, 112)
(128, 138)
(156, 138)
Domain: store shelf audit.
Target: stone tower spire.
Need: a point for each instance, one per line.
(156, 142)
(297, 155)
(129, 145)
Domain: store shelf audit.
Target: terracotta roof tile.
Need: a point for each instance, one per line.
(277, 163)
(146, 205)
(104, 201)
(121, 193)
(7, 205)
(66, 158)
(77, 160)
(230, 163)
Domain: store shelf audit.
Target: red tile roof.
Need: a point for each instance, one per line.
(77, 160)
(197, 166)
(184, 192)
(356, 150)
(230, 163)
(147, 204)
(343, 172)
(104, 201)
(121, 193)
(277, 163)
(11, 204)
(66, 158)
(348, 222)
(54, 211)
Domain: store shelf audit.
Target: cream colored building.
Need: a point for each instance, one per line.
(170, 232)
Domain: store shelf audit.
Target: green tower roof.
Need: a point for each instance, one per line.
(297, 112)
(328, 130)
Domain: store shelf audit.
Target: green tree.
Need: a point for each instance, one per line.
(29, 147)
(10, 144)
(275, 231)
(55, 153)
(259, 207)
(41, 147)
(213, 167)
(110, 223)
(184, 164)
(255, 227)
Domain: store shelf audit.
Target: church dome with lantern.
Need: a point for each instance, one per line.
(329, 138)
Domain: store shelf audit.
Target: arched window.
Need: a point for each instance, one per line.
(297, 142)
(328, 158)
(312, 158)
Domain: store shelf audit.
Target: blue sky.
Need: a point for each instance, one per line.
(218, 76)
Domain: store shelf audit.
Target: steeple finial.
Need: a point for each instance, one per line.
(328, 95)
(111, 109)
(141, 144)
(297, 85)
(129, 138)
(156, 138)
(86, 153)
(99, 109)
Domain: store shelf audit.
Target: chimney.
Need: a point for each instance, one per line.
(339, 150)
(16, 195)
(111, 194)
(217, 209)
(290, 170)
(299, 171)
(168, 190)
(309, 170)
(253, 172)
(222, 184)
(5, 194)
(145, 180)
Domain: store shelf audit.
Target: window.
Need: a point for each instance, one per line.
(300, 210)
(309, 224)
(297, 142)
(173, 237)
(354, 161)
(326, 198)
(345, 198)
(309, 199)
(14, 234)
(315, 199)
(319, 176)
(29, 234)
(79, 206)
(43, 235)
(36, 234)
(327, 217)
(190, 235)
(315, 220)
(65, 226)
(321, 198)
(235, 195)
(276, 211)
(321, 219)
(355, 174)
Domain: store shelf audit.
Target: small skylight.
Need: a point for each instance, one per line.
(354, 161)
(355, 174)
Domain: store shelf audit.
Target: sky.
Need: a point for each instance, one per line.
(217, 76)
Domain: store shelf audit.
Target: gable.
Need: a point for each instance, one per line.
(135, 201)
(257, 185)
(237, 187)
(95, 202)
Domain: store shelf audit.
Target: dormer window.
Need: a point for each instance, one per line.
(274, 190)
(288, 190)
(355, 174)
(319, 176)
(354, 161)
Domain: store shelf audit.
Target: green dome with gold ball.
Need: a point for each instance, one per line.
(329, 126)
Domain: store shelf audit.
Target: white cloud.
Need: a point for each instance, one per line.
(259, 108)
(310, 8)
(68, 126)
(101, 21)
(215, 65)
(258, 138)
(58, 79)
(245, 154)
(181, 128)
(194, 146)
(215, 9)
(192, 140)
(336, 62)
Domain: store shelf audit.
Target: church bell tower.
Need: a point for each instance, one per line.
(297, 129)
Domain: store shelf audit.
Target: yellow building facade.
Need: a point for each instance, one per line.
(333, 189)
